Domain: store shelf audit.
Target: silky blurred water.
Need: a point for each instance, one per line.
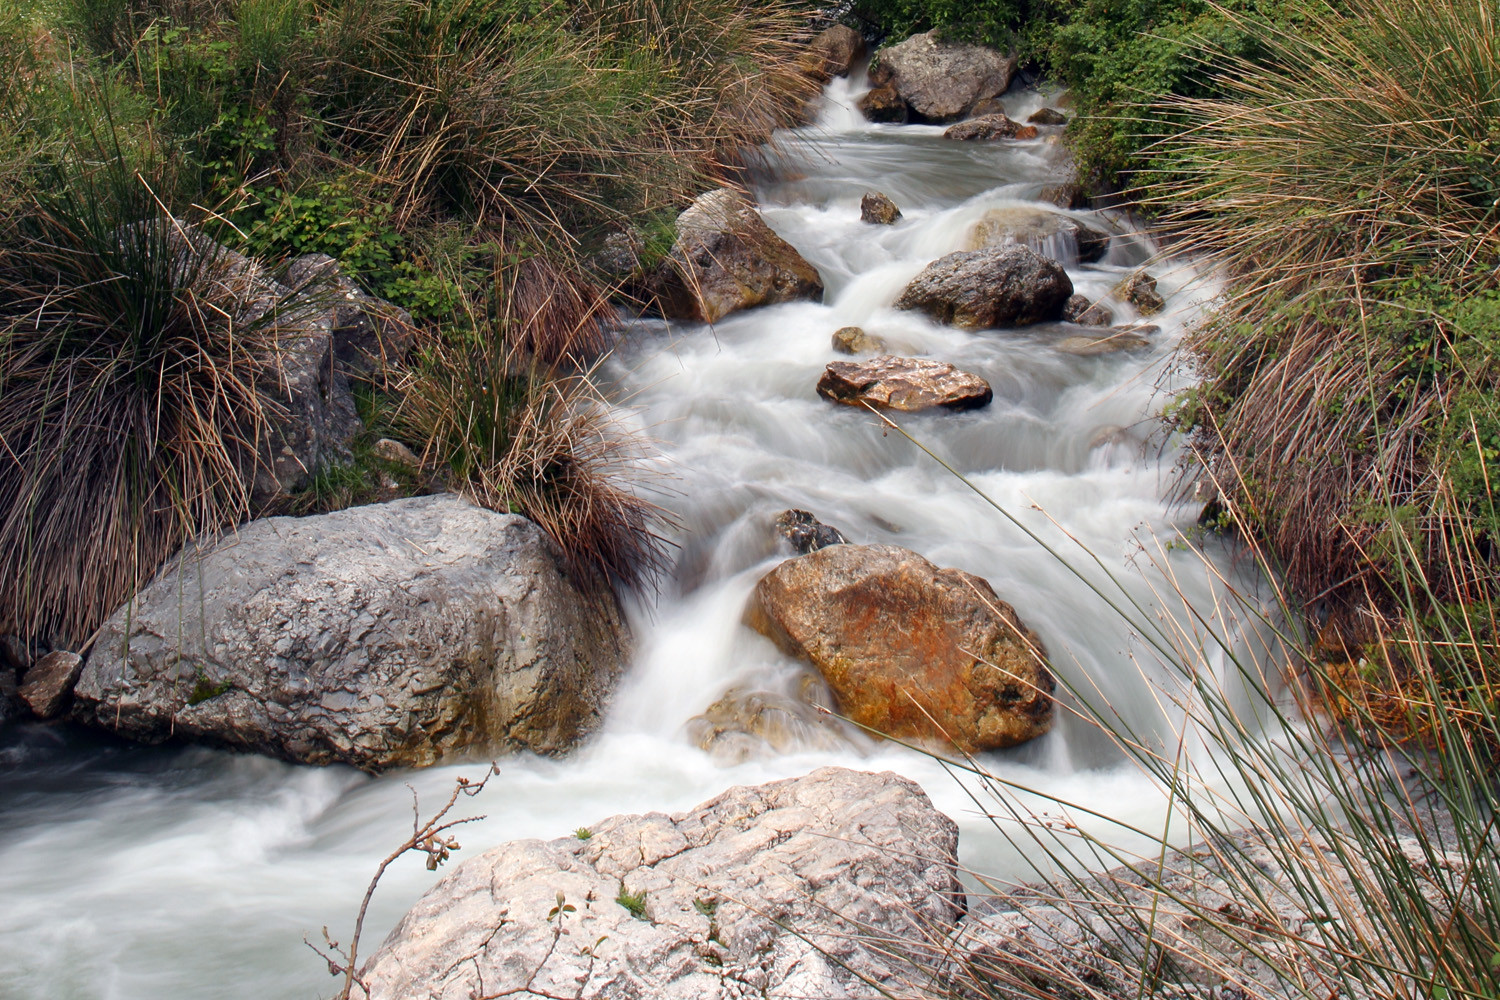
(142, 873)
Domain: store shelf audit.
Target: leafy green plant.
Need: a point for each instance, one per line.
(634, 902)
(583, 833)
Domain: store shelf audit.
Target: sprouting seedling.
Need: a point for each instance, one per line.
(583, 833)
(634, 902)
(561, 910)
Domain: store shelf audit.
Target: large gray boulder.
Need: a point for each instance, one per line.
(379, 636)
(726, 259)
(810, 887)
(909, 650)
(942, 81)
(1010, 285)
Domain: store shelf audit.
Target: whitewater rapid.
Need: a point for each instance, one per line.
(134, 873)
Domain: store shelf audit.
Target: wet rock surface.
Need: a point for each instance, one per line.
(804, 533)
(1047, 116)
(990, 128)
(854, 340)
(910, 384)
(1080, 310)
(909, 650)
(877, 209)
(883, 104)
(47, 686)
(797, 888)
(941, 81)
(392, 634)
(726, 259)
(744, 725)
(1010, 285)
(1140, 291)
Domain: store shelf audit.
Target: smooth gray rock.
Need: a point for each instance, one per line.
(794, 889)
(940, 81)
(1009, 285)
(385, 635)
(726, 259)
(47, 686)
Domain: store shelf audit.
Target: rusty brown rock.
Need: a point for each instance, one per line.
(48, 686)
(909, 650)
(883, 104)
(910, 384)
(876, 209)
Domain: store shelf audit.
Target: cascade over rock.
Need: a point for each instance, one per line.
(795, 888)
(1050, 234)
(909, 650)
(386, 635)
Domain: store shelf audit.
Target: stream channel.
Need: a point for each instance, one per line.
(134, 873)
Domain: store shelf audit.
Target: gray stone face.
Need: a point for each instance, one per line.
(726, 259)
(378, 636)
(1010, 285)
(369, 333)
(942, 81)
(1050, 234)
(793, 889)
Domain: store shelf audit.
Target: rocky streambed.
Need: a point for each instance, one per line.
(946, 279)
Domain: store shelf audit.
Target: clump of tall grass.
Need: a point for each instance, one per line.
(134, 359)
(1302, 855)
(1347, 181)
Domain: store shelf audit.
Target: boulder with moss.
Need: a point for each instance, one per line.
(389, 635)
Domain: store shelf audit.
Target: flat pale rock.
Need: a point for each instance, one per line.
(388, 635)
(1010, 285)
(809, 887)
(909, 650)
(854, 340)
(910, 384)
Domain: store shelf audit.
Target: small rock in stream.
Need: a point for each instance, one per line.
(909, 384)
(1009, 285)
(1047, 116)
(990, 128)
(805, 533)
(47, 687)
(1140, 291)
(1078, 309)
(854, 340)
(882, 104)
(877, 209)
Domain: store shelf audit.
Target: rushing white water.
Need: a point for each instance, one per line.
(173, 873)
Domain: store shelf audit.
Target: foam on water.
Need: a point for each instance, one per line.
(139, 874)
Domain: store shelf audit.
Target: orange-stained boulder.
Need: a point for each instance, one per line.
(908, 649)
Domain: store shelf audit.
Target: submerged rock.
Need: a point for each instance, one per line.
(909, 650)
(941, 81)
(805, 533)
(854, 340)
(910, 384)
(797, 888)
(1140, 291)
(877, 209)
(378, 636)
(990, 128)
(1068, 194)
(726, 259)
(744, 725)
(1010, 285)
(1078, 309)
(1047, 116)
(47, 687)
(1109, 341)
(882, 104)
(1050, 234)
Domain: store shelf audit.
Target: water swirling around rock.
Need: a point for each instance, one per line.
(145, 873)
